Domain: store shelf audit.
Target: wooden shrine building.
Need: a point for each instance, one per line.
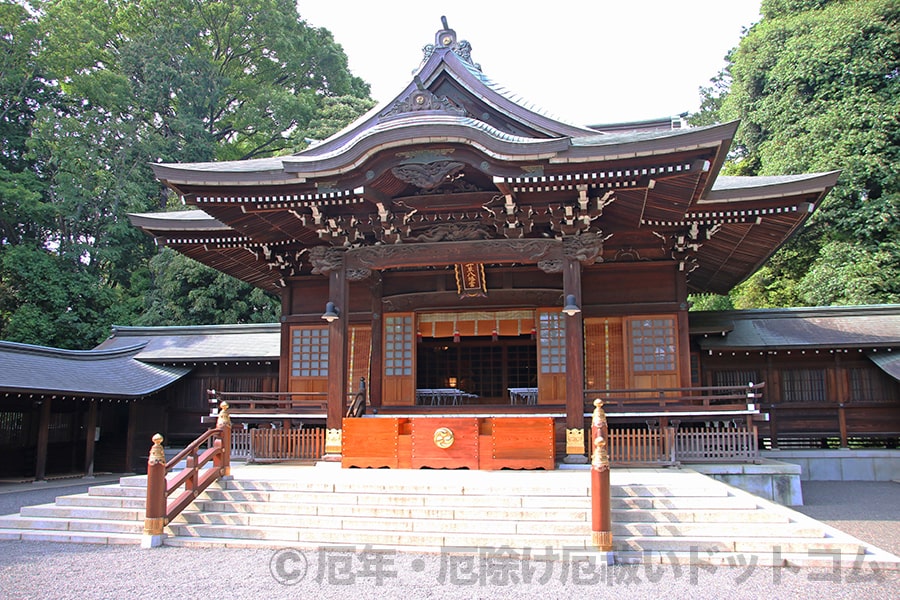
(483, 266)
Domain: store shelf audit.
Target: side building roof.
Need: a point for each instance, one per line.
(874, 330)
(82, 373)
(203, 343)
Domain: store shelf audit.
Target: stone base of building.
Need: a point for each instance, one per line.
(770, 479)
(841, 464)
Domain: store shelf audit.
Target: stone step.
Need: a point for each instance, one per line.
(725, 530)
(387, 539)
(395, 499)
(19, 522)
(56, 511)
(684, 503)
(80, 537)
(681, 517)
(740, 545)
(415, 524)
(401, 489)
(87, 500)
(394, 512)
(683, 490)
(711, 515)
(118, 491)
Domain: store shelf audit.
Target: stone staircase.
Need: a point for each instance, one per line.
(659, 516)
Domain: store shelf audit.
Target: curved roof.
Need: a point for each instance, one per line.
(850, 327)
(87, 373)
(199, 343)
(454, 146)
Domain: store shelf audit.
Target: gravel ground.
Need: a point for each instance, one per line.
(62, 571)
(868, 510)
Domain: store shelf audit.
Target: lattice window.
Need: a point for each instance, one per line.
(13, 430)
(653, 346)
(736, 378)
(803, 385)
(552, 329)
(398, 345)
(604, 353)
(309, 352)
(870, 385)
(359, 360)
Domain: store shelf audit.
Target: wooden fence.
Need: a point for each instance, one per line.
(726, 444)
(278, 444)
(668, 446)
(640, 446)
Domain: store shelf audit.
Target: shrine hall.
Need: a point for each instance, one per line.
(462, 275)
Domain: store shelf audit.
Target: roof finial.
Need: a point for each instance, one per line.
(446, 39)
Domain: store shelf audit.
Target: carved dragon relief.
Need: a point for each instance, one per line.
(453, 232)
(585, 248)
(325, 259)
(531, 251)
(428, 176)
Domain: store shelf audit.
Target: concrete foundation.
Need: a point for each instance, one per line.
(841, 465)
(771, 479)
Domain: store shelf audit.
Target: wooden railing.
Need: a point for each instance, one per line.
(191, 481)
(642, 446)
(673, 445)
(283, 405)
(688, 399)
(269, 404)
(284, 443)
(278, 444)
(727, 444)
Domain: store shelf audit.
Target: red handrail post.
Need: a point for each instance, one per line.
(223, 424)
(155, 511)
(601, 515)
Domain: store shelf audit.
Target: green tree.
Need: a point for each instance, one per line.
(94, 91)
(189, 293)
(816, 85)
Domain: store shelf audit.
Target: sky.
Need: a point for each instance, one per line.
(586, 62)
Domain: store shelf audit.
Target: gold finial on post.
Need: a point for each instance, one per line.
(224, 418)
(157, 453)
(599, 416)
(600, 430)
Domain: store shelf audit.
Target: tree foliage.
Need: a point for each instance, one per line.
(93, 92)
(816, 86)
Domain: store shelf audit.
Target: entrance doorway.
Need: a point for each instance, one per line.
(483, 369)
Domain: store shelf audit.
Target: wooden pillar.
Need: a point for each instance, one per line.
(575, 449)
(90, 435)
(842, 385)
(338, 294)
(601, 509)
(155, 508)
(131, 437)
(376, 357)
(773, 396)
(43, 440)
(684, 338)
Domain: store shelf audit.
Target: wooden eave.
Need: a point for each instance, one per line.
(453, 148)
